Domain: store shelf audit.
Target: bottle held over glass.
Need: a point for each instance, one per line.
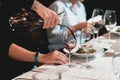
(25, 21)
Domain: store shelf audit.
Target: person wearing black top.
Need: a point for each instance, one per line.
(18, 53)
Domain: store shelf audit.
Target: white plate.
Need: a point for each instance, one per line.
(98, 50)
(114, 30)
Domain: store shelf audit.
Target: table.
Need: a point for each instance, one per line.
(102, 67)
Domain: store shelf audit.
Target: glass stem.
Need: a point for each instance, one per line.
(87, 61)
(95, 37)
(69, 56)
(97, 34)
(118, 75)
(109, 35)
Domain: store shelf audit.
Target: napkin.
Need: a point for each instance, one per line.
(95, 19)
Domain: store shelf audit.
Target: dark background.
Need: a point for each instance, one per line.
(104, 4)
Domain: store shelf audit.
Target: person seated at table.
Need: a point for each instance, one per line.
(18, 53)
(74, 16)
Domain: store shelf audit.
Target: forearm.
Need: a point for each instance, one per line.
(35, 5)
(79, 26)
(21, 54)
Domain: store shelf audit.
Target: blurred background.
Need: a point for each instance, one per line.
(104, 4)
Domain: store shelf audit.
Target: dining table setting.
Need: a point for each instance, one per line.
(96, 59)
(100, 65)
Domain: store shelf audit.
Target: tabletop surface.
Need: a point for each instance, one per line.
(101, 62)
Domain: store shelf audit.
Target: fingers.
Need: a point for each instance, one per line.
(54, 57)
(60, 58)
(47, 21)
(57, 61)
(88, 27)
(64, 57)
(51, 20)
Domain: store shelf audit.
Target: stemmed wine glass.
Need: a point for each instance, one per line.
(69, 42)
(116, 64)
(97, 21)
(110, 20)
(87, 37)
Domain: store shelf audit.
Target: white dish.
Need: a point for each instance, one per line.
(98, 50)
(114, 30)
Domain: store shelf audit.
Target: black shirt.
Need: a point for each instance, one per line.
(12, 68)
(7, 9)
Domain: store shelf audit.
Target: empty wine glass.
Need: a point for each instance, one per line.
(110, 20)
(116, 64)
(69, 42)
(87, 37)
(97, 21)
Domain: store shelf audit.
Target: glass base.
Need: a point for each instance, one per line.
(71, 65)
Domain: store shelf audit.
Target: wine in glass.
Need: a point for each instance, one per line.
(110, 20)
(97, 21)
(69, 42)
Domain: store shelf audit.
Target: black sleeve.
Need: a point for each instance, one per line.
(27, 3)
(17, 3)
(7, 9)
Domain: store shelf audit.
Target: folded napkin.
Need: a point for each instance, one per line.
(95, 19)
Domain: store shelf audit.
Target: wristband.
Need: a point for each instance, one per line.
(36, 57)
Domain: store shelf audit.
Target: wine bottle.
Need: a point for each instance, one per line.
(27, 20)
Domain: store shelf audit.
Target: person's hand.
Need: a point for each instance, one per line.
(54, 57)
(88, 28)
(50, 17)
(83, 25)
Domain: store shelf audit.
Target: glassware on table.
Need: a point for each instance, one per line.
(97, 21)
(110, 20)
(87, 37)
(69, 42)
(116, 64)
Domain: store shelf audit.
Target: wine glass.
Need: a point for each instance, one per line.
(116, 64)
(69, 42)
(87, 37)
(110, 20)
(97, 21)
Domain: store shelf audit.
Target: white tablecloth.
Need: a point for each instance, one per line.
(102, 70)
